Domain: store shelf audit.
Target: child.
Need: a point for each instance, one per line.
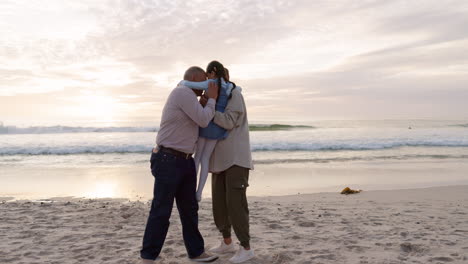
(209, 136)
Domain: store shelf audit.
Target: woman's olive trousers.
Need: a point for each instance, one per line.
(230, 206)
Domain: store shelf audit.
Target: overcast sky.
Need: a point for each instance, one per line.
(114, 62)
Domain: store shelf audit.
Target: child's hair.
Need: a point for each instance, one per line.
(218, 69)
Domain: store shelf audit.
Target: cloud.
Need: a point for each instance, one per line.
(296, 59)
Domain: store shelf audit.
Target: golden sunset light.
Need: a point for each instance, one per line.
(234, 131)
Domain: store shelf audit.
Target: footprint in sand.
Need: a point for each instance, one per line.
(412, 248)
(275, 226)
(282, 257)
(357, 249)
(169, 251)
(443, 259)
(324, 256)
(81, 249)
(307, 224)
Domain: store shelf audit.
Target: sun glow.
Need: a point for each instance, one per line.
(103, 190)
(98, 107)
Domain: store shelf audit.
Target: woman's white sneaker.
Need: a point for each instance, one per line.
(223, 248)
(242, 255)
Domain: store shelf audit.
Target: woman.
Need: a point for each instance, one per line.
(230, 163)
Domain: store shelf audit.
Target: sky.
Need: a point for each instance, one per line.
(106, 63)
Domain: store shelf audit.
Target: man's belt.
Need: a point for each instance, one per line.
(174, 152)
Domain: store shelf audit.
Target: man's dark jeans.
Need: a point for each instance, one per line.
(175, 177)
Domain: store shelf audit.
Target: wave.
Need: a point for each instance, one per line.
(370, 158)
(67, 150)
(355, 146)
(70, 129)
(78, 129)
(275, 127)
(127, 148)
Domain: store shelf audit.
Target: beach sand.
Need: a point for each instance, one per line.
(393, 226)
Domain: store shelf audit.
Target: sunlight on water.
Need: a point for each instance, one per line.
(102, 190)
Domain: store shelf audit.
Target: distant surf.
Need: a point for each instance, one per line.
(256, 147)
(275, 127)
(72, 129)
(271, 143)
(460, 125)
(357, 158)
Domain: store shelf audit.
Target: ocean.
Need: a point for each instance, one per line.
(25, 152)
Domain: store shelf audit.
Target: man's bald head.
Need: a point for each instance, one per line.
(195, 74)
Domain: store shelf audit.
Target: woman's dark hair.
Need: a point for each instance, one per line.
(227, 77)
(218, 69)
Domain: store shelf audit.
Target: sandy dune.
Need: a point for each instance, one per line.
(403, 226)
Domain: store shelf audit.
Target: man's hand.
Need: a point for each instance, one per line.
(203, 100)
(212, 90)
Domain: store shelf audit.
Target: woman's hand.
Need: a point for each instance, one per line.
(212, 90)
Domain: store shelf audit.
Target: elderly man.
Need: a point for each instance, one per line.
(173, 168)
